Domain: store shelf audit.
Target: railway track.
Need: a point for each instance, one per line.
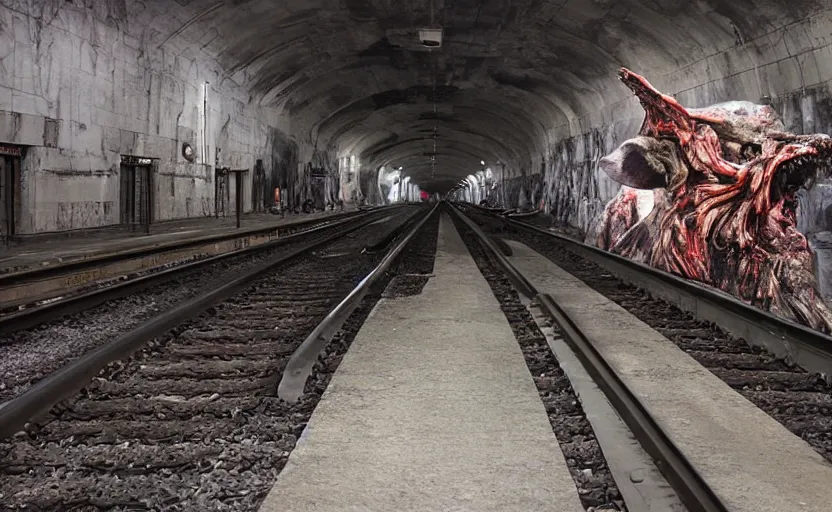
(800, 400)
(190, 422)
(596, 487)
(79, 285)
(43, 342)
(783, 338)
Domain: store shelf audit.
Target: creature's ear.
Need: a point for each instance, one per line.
(641, 162)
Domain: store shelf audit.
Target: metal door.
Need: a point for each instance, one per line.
(222, 192)
(135, 195)
(9, 195)
(258, 188)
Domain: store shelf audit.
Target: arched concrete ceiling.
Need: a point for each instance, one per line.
(352, 72)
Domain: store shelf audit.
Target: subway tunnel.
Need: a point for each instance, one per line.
(318, 103)
(381, 243)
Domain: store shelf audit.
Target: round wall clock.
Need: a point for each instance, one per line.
(188, 152)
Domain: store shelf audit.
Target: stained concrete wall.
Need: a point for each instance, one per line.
(83, 86)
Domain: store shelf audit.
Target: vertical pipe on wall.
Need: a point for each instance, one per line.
(204, 125)
(238, 199)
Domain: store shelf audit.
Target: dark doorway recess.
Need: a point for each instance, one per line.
(10, 190)
(136, 192)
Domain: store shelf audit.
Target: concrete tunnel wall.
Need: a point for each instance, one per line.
(82, 86)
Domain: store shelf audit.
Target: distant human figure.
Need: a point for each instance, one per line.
(308, 206)
(278, 207)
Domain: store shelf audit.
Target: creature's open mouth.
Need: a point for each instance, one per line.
(801, 171)
(792, 175)
(730, 175)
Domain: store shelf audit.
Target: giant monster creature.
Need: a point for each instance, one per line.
(724, 180)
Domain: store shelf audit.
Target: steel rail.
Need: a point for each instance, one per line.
(33, 316)
(808, 348)
(297, 371)
(66, 381)
(692, 489)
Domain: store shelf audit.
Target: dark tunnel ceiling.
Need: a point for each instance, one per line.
(353, 74)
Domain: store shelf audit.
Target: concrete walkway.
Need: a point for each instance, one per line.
(432, 409)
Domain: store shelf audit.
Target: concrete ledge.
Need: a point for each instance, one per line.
(27, 292)
(36, 254)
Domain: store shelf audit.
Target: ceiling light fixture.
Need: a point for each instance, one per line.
(432, 38)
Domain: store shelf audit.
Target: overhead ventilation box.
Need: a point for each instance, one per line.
(430, 37)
